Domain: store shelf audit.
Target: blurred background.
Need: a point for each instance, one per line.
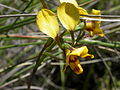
(21, 42)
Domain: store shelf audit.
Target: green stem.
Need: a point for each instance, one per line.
(44, 4)
(17, 24)
(21, 45)
(38, 62)
(81, 32)
(95, 42)
(59, 42)
(72, 36)
(92, 42)
(62, 76)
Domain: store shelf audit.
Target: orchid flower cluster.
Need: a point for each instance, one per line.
(69, 14)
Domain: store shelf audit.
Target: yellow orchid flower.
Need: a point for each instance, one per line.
(68, 15)
(72, 58)
(47, 23)
(94, 26)
(80, 9)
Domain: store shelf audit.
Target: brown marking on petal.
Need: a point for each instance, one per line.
(71, 49)
(76, 69)
(89, 29)
(88, 57)
(93, 25)
(73, 58)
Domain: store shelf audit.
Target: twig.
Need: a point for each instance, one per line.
(110, 26)
(39, 60)
(2, 5)
(95, 19)
(25, 87)
(44, 4)
(113, 59)
(21, 13)
(17, 15)
(86, 3)
(93, 42)
(34, 14)
(91, 4)
(24, 76)
(96, 42)
(48, 81)
(109, 49)
(107, 67)
(102, 16)
(12, 72)
(24, 36)
(84, 18)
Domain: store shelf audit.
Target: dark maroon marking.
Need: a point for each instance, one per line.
(89, 29)
(76, 69)
(71, 49)
(93, 24)
(73, 60)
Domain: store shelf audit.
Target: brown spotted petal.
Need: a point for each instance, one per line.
(74, 64)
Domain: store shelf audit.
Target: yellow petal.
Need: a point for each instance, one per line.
(89, 25)
(79, 51)
(76, 67)
(47, 23)
(69, 1)
(91, 33)
(68, 15)
(67, 52)
(96, 12)
(82, 11)
(82, 52)
(87, 56)
(67, 62)
(98, 31)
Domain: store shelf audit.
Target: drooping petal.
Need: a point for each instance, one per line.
(75, 65)
(69, 1)
(98, 31)
(68, 15)
(47, 23)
